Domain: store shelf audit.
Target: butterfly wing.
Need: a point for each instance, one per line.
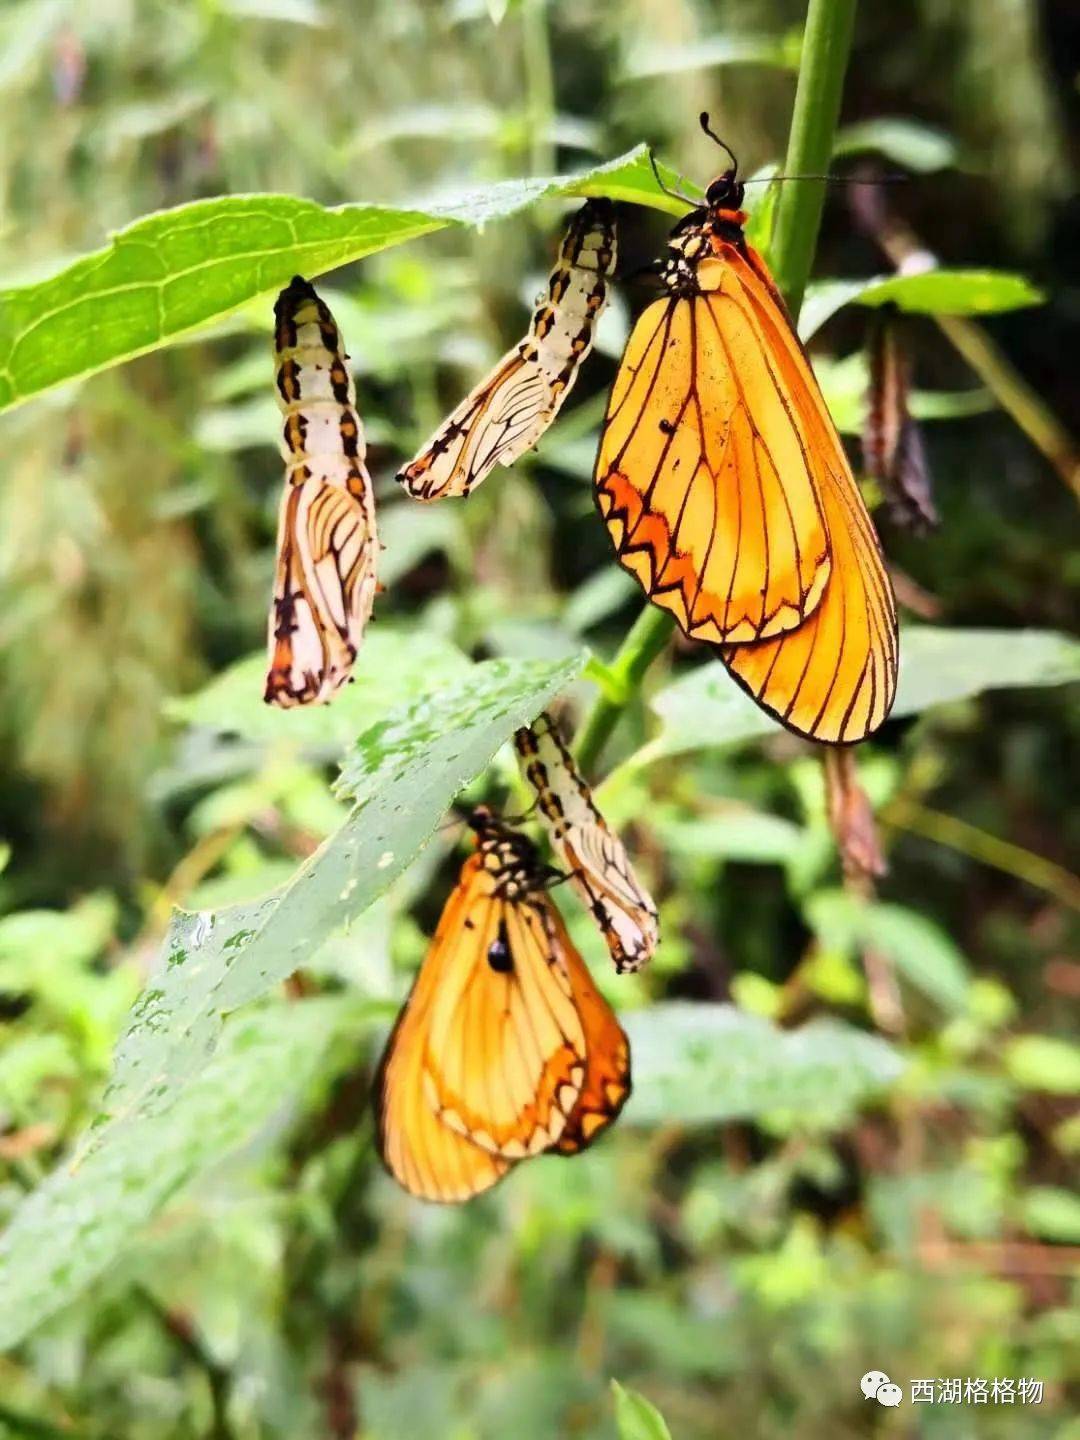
(511, 409)
(834, 678)
(487, 1060)
(710, 471)
(327, 543)
(593, 854)
(607, 1070)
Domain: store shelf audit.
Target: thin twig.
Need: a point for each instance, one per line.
(184, 1335)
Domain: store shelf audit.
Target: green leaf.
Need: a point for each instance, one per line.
(401, 774)
(919, 949)
(636, 1417)
(932, 292)
(954, 292)
(697, 1064)
(905, 142)
(844, 383)
(178, 271)
(937, 665)
(396, 663)
(1052, 1213)
(711, 51)
(72, 1227)
(1043, 1062)
(736, 833)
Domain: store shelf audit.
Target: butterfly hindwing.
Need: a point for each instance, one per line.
(327, 544)
(511, 409)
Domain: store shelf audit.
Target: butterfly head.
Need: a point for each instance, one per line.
(725, 192)
(724, 197)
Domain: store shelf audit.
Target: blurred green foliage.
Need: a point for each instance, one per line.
(789, 1200)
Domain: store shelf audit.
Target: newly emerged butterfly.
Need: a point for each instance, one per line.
(505, 1048)
(325, 580)
(593, 854)
(727, 494)
(509, 411)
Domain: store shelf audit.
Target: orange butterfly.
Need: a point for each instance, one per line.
(595, 857)
(727, 493)
(509, 411)
(327, 545)
(505, 1048)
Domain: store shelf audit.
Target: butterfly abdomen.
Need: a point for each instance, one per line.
(322, 430)
(564, 324)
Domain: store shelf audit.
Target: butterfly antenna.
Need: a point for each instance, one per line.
(703, 120)
(675, 194)
(831, 179)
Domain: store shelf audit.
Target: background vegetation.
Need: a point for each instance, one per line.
(206, 1246)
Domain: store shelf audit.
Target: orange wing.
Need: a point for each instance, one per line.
(600, 869)
(834, 678)
(711, 467)
(607, 1071)
(487, 1060)
(327, 545)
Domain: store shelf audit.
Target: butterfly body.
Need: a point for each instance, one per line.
(325, 583)
(504, 1048)
(727, 494)
(509, 411)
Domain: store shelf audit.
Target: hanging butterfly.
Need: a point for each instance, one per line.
(505, 1048)
(327, 545)
(726, 492)
(509, 411)
(593, 854)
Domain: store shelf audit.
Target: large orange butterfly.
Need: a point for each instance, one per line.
(505, 1048)
(726, 491)
(327, 546)
(511, 409)
(593, 854)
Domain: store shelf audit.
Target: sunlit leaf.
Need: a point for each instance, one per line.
(636, 1417)
(181, 270)
(932, 292)
(1044, 1062)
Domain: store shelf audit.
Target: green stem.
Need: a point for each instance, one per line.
(826, 43)
(648, 636)
(825, 48)
(539, 85)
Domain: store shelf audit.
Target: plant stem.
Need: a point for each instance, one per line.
(1003, 855)
(825, 48)
(826, 43)
(648, 636)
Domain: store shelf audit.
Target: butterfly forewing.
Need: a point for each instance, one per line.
(327, 543)
(593, 854)
(511, 409)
